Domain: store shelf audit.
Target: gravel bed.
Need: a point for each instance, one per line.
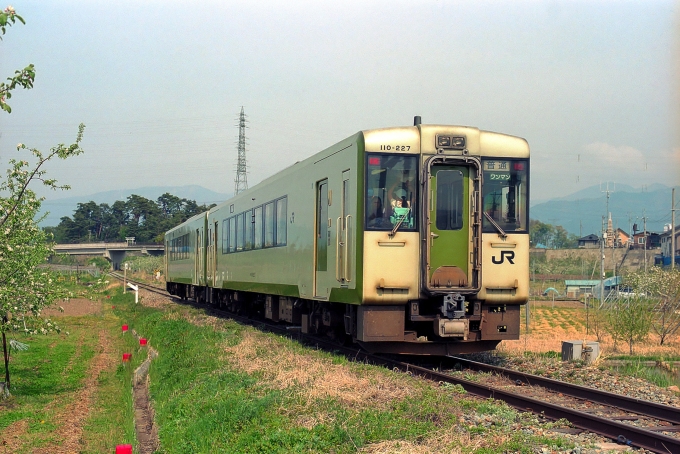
(595, 376)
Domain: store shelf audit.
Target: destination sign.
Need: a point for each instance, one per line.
(497, 166)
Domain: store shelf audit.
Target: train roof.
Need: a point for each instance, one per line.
(480, 142)
(188, 221)
(288, 170)
(423, 139)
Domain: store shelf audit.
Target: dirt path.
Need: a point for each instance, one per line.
(72, 417)
(147, 432)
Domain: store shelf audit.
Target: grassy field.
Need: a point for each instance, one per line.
(551, 323)
(217, 386)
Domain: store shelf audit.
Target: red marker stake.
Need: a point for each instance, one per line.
(124, 449)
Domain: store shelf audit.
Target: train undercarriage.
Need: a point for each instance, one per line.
(441, 326)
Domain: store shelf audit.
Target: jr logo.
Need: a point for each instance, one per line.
(510, 255)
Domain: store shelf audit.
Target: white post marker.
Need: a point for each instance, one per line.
(136, 289)
(125, 268)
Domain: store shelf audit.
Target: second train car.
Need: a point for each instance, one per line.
(411, 240)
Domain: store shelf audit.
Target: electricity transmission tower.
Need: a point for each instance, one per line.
(241, 181)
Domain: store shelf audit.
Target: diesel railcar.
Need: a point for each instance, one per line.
(409, 240)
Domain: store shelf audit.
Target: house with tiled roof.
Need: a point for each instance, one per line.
(589, 241)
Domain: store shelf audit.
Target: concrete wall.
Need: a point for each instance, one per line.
(634, 258)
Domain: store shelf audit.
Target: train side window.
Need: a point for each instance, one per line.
(232, 234)
(281, 221)
(269, 224)
(225, 235)
(249, 229)
(258, 228)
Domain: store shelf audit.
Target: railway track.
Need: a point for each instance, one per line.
(149, 287)
(588, 409)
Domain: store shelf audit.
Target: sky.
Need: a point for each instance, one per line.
(593, 86)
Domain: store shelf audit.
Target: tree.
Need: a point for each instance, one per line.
(550, 236)
(25, 289)
(629, 320)
(22, 78)
(144, 219)
(664, 286)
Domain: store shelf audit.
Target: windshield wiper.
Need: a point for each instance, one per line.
(399, 222)
(498, 227)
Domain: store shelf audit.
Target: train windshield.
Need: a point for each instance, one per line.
(505, 189)
(391, 191)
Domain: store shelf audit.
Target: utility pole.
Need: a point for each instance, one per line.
(604, 237)
(241, 181)
(673, 229)
(630, 231)
(607, 235)
(644, 223)
(608, 192)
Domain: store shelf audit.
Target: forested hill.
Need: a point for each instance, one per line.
(137, 216)
(57, 208)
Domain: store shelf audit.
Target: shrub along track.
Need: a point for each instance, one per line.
(614, 430)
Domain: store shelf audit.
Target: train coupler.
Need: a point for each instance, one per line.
(453, 306)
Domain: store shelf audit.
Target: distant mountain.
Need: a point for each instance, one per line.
(59, 208)
(596, 192)
(581, 213)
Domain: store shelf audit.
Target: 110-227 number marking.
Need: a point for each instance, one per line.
(395, 147)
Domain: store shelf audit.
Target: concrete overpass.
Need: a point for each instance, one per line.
(114, 252)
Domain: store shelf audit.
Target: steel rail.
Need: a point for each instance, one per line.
(624, 433)
(638, 406)
(143, 285)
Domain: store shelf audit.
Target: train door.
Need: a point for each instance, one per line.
(343, 235)
(451, 249)
(198, 262)
(322, 239)
(212, 256)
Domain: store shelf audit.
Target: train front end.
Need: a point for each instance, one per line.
(446, 243)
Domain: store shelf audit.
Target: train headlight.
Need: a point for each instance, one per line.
(450, 142)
